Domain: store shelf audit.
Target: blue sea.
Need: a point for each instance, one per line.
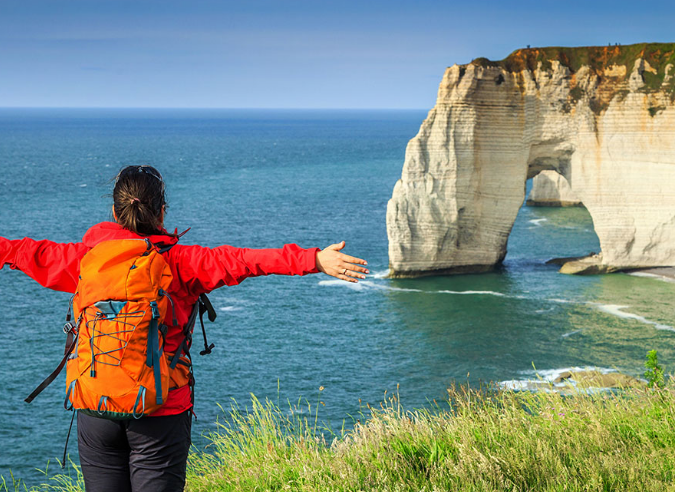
(262, 178)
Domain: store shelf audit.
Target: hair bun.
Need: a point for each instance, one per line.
(138, 200)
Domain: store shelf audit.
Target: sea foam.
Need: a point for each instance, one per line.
(363, 285)
(617, 310)
(613, 309)
(652, 275)
(366, 285)
(543, 380)
(479, 293)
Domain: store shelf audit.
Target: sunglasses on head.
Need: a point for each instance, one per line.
(140, 169)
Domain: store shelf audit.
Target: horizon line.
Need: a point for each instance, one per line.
(217, 108)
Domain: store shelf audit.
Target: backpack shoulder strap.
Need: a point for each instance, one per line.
(71, 342)
(49, 379)
(203, 305)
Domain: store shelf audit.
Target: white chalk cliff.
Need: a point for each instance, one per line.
(551, 189)
(603, 118)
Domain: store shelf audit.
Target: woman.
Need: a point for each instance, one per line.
(150, 453)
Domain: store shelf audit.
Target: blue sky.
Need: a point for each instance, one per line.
(283, 53)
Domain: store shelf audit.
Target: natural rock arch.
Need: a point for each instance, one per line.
(609, 129)
(551, 189)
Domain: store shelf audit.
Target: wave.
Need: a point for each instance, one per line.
(653, 275)
(565, 335)
(538, 222)
(380, 274)
(369, 285)
(478, 293)
(613, 309)
(363, 285)
(617, 310)
(230, 308)
(553, 374)
(544, 380)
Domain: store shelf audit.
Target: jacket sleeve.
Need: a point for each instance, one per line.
(52, 265)
(201, 270)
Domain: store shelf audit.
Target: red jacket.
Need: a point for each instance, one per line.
(196, 270)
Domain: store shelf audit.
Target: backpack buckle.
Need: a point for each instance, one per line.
(207, 349)
(68, 327)
(155, 310)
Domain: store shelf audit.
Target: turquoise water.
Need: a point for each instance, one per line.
(260, 179)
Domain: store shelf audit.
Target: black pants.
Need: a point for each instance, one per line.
(147, 454)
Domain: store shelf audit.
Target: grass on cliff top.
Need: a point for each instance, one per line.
(477, 440)
(596, 57)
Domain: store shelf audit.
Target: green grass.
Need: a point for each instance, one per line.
(477, 440)
(658, 55)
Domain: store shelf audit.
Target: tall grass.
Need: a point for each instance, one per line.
(477, 440)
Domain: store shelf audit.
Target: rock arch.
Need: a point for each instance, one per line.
(608, 129)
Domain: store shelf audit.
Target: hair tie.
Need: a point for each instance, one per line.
(135, 200)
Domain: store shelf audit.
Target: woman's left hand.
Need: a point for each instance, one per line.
(339, 265)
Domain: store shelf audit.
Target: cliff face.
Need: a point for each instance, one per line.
(603, 118)
(551, 189)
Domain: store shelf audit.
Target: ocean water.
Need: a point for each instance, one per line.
(259, 178)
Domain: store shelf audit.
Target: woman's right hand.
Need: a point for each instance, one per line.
(339, 265)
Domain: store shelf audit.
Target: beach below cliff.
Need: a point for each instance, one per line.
(663, 273)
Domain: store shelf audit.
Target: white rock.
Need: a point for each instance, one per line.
(464, 175)
(551, 189)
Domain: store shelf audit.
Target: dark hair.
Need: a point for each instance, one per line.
(138, 199)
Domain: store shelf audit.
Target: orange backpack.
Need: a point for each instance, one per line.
(116, 364)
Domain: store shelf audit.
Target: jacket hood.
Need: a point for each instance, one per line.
(107, 231)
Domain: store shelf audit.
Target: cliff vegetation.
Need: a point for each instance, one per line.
(658, 73)
(597, 58)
